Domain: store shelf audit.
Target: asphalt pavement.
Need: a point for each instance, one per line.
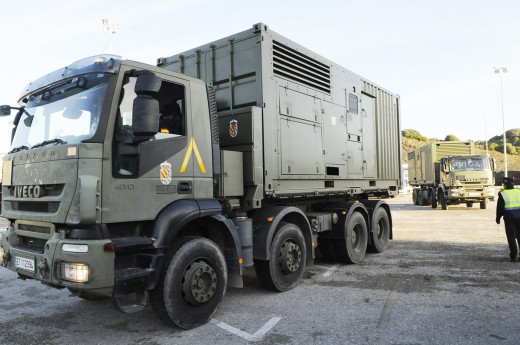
(446, 278)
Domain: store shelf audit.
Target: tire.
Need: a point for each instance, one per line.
(414, 196)
(483, 205)
(420, 200)
(380, 235)
(286, 263)
(442, 200)
(352, 250)
(434, 198)
(192, 283)
(427, 197)
(469, 203)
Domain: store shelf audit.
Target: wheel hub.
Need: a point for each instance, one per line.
(199, 282)
(355, 242)
(290, 257)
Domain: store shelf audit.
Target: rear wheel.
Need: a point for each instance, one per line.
(192, 283)
(427, 197)
(483, 205)
(414, 196)
(434, 198)
(352, 250)
(286, 263)
(420, 199)
(381, 233)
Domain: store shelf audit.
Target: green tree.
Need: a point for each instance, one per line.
(510, 149)
(413, 134)
(451, 137)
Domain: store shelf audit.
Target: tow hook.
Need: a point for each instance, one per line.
(6, 259)
(43, 268)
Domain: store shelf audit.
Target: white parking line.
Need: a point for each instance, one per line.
(249, 337)
(330, 271)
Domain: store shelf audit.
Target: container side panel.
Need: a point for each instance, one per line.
(301, 148)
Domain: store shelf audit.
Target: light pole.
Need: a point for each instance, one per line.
(112, 28)
(500, 71)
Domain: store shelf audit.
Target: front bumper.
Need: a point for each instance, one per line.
(464, 194)
(35, 250)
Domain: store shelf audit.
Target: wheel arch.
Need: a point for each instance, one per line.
(265, 223)
(201, 218)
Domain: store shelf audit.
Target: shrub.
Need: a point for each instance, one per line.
(413, 134)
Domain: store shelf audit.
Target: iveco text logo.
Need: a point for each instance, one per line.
(27, 191)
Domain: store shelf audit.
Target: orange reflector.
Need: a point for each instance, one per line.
(240, 261)
(109, 247)
(344, 212)
(313, 244)
(270, 219)
(164, 130)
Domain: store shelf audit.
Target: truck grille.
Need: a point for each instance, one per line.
(50, 190)
(293, 65)
(35, 206)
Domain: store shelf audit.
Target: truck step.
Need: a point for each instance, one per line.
(131, 244)
(130, 280)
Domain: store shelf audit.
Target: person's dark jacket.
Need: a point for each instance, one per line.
(501, 208)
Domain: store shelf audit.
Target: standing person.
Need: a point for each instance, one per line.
(508, 206)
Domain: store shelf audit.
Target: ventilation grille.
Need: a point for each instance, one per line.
(32, 206)
(295, 66)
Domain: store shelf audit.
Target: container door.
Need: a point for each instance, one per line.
(369, 135)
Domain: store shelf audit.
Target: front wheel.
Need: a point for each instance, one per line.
(192, 283)
(442, 200)
(483, 205)
(469, 203)
(286, 263)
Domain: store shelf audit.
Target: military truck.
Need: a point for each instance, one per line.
(450, 173)
(126, 180)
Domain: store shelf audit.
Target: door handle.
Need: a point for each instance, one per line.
(184, 187)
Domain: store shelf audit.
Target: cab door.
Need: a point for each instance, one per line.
(143, 175)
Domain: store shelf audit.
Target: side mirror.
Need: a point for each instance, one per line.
(446, 166)
(493, 164)
(5, 110)
(145, 115)
(147, 84)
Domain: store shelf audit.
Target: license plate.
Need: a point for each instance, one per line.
(24, 264)
(474, 194)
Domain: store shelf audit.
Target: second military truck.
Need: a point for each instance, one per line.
(125, 179)
(450, 173)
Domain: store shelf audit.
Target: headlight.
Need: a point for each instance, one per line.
(1, 256)
(75, 272)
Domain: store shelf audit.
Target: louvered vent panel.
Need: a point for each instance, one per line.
(293, 65)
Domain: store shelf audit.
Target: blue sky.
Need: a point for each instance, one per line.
(438, 56)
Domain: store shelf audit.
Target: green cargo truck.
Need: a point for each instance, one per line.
(140, 182)
(450, 173)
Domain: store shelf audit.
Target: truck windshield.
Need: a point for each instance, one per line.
(66, 113)
(470, 164)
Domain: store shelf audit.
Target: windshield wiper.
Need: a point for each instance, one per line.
(19, 148)
(47, 142)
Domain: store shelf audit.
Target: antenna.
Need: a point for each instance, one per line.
(112, 29)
